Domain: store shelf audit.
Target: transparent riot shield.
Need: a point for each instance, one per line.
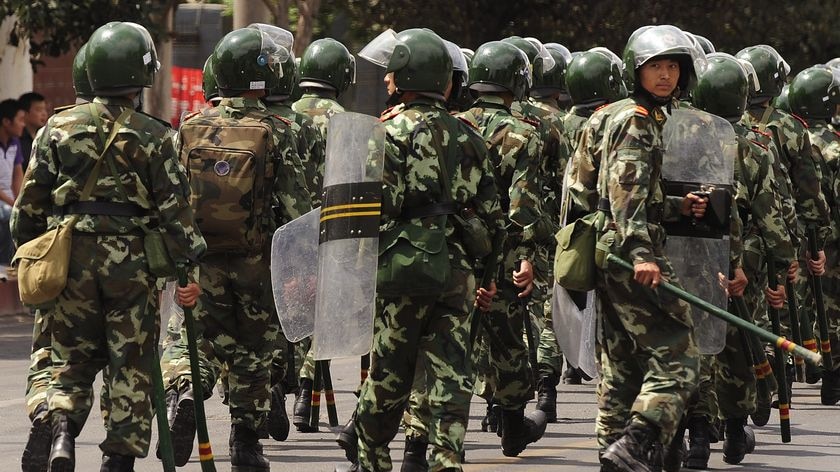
(573, 317)
(349, 236)
(294, 274)
(699, 157)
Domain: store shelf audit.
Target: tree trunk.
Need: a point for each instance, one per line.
(308, 11)
(15, 68)
(246, 12)
(157, 101)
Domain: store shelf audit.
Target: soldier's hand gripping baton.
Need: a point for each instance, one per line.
(778, 341)
(529, 332)
(479, 320)
(816, 287)
(205, 451)
(781, 361)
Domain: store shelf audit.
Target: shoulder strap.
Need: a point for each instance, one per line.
(762, 124)
(94, 175)
(443, 163)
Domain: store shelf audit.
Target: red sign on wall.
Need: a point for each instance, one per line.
(187, 94)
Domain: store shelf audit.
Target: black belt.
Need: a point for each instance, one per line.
(435, 209)
(104, 209)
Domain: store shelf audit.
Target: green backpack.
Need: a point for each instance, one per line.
(228, 160)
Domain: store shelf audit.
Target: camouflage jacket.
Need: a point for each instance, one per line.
(759, 203)
(796, 154)
(556, 150)
(65, 153)
(418, 134)
(291, 196)
(514, 147)
(320, 109)
(826, 144)
(574, 122)
(310, 144)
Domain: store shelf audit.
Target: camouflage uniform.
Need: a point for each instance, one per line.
(235, 317)
(109, 304)
(826, 144)
(429, 333)
(649, 359)
(311, 145)
(556, 153)
(514, 145)
(320, 109)
(760, 210)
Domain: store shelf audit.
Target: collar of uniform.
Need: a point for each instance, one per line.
(550, 101)
(587, 109)
(492, 99)
(242, 102)
(320, 93)
(420, 100)
(816, 123)
(653, 108)
(115, 101)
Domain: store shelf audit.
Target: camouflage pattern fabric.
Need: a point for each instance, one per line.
(311, 145)
(514, 149)
(704, 401)
(649, 359)
(433, 332)
(110, 302)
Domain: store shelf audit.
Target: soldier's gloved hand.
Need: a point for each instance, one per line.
(816, 266)
(694, 206)
(484, 297)
(735, 286)
(776, 298)
(647, 274)
(188, 295)
(792, 270)
(524, 279)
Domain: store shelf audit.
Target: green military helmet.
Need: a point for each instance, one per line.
(208, 81)
(247, 59)
(723, 87)
(815, 92)
(460, 70)
(553, 81)
(417, 57)
(782, 102)
(704, 43)
(327, 64)
(500, 67)
(594, 76)
(282, 88)
(541, 61)
(121, 59)
(81, 83)
(770, 68)
(651, 42)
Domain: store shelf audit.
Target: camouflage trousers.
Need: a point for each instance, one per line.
(735, 380)
(831, 296)
(235, 322)
(432, 334)
(756, 271)
(649, 358)
(704, 401)
(175, 360)
(504, 370)
(105, 320)
(549, 355)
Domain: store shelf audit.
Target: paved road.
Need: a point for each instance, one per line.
(567, 445)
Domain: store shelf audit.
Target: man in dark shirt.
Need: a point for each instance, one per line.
(35, 116)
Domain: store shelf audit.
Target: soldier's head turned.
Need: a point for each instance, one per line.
(661, 61)
(416, 63)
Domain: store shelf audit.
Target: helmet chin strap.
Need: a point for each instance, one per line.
(395, 98)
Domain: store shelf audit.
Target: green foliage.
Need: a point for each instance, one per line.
(54, 26)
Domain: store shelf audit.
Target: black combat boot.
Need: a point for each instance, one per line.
(278, 419)
(414, 458)
(303, 407)
(698, 443)
(490, 422)
(519, 430)
(547, 397)
(36, 454)
(638, 450)
(674, 455)
(813, 373)
(246, 453)
(63, 452)
(830, 388)
(117, 463)
(749, 434)
(182, 426)
(349, 440)
(735, 441)
(715, 431)
(571, 376)
(354, 467)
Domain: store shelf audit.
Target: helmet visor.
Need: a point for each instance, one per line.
(746, 66)
(613, 57)
(380, 49)
(783, 65)
(459, 61)
(526, 69)
(563, 50)
(272, 54)
(547, 59)
(280, 36)
(666, 40)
